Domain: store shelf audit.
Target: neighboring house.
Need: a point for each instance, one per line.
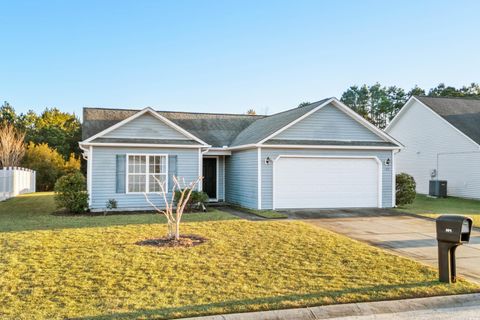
(442, 141)
(322, 155)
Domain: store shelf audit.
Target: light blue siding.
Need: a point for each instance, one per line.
(267, 170)
(328, 123)
(146, 126)
(103, 175)
(221, 179)
(241, 178)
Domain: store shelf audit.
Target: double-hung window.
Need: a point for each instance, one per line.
(145, 172)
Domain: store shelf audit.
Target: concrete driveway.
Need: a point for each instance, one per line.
(400, 233)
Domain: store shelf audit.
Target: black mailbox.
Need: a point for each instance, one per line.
(452, 231)
(453, 228)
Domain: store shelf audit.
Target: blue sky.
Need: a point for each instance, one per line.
(227, 56)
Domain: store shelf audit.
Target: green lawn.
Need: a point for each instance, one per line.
(100, 273)
(34, 212)
(433, 207)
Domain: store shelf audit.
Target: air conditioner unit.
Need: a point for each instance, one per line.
(438, 188)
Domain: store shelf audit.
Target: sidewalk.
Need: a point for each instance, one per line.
(465, 306)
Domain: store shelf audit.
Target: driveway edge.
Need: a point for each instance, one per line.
(354, 309)
(417, 215)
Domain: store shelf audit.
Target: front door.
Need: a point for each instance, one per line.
(210, 177)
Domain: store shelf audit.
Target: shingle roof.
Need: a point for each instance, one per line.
(462, 113)
(217, 130)
(96, 120)
(264, 127)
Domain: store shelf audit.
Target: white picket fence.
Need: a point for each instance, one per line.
(15, 181)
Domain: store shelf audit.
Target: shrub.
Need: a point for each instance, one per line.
(70, 193)
(49, 164)
(405, 189)
(196, 199)
(111, 204)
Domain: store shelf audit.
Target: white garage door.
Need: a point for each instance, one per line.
(326, 182)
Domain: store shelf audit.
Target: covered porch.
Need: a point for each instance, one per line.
(213, 172)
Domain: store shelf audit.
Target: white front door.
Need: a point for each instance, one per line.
(320, 182)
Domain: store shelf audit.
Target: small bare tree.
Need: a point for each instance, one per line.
(12, 147)
(174, 211)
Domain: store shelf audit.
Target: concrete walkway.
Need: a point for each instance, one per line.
(446, 307)
(459, 313)
(403, 234)
(241, 214)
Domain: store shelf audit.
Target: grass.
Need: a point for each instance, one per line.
(34, 212)
(267, 214)
(98, 272)
(433, 207)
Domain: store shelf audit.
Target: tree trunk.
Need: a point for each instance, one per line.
(170, 229)
(177, 230)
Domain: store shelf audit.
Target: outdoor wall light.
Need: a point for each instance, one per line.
(268, 160)
(387, 162)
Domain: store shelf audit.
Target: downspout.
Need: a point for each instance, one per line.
(85, 151)
(394, 178)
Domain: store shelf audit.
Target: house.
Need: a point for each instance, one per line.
(322, 155)
(442, 141)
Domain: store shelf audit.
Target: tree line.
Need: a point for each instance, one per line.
(379, 104)
(46, 142)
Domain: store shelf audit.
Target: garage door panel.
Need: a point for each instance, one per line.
(326, 183)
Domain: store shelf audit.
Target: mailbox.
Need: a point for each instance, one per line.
(452, 231)
(452, 228)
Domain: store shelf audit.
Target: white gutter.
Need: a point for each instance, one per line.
(147, 145)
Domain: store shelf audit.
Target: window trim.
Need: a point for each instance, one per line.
(147, 172)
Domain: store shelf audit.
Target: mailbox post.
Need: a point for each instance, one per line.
(452, 231)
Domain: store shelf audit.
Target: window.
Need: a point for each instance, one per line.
(145, 172)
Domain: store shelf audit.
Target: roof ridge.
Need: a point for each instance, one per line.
(295, 108)
(184, 112)
(210, 113)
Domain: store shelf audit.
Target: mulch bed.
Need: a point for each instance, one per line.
(186, 241)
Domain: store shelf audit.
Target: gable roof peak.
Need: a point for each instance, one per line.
(266, 128)
(461, 113)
